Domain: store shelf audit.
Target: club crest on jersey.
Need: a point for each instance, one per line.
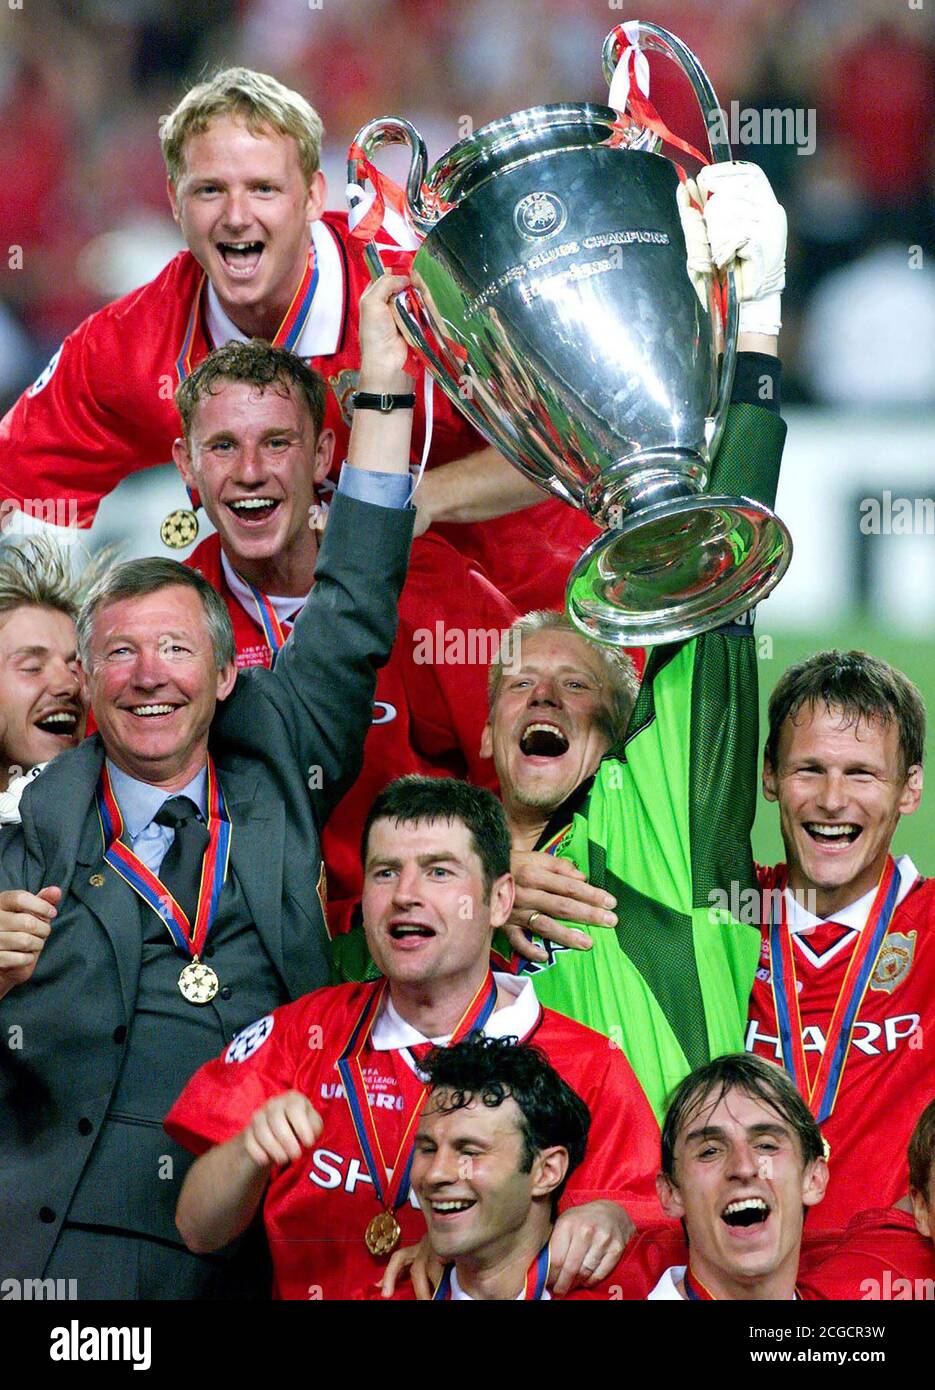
(894, 961)
(249, 1039)
(344, 384)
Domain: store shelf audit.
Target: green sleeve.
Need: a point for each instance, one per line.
(666, 829)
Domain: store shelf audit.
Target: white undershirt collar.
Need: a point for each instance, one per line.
(856, 914)
(322, 332)
(286, 607)
(516, 1020)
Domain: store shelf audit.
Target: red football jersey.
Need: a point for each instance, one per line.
(881, 1256)
(888, 1077)
(428, 714)
(317, 1209)
(104, 408)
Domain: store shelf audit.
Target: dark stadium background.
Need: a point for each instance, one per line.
(82, 193)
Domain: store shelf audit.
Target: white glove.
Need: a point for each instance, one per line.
(747, 232)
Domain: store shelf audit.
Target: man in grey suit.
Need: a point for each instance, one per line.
(165, 886)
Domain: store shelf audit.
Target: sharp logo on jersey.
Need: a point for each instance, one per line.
(331, 1170)
(383, 712)
(872, 1039)
(42, 381)
(894, 961)
(249, 1040)
(763, 973)
(344, 384)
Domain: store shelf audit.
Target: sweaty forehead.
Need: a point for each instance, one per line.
(734, 1111)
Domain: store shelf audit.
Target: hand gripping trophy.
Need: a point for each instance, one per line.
(552, 301)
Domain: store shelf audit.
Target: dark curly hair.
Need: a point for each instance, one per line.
(490, 1070)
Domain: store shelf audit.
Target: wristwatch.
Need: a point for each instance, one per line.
(368, 400)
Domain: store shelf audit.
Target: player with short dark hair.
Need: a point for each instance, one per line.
(843, 996)
(499, 1138)
(742, 1161)
(313, 1110)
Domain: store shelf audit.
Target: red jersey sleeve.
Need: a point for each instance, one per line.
(452, 618)
(259, 1063)
(622, 1156)
(104, 406)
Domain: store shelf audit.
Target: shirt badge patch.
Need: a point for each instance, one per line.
(344, 384)
(894, 961)
(249, 1039)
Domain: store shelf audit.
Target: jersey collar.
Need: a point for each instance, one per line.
(856, 914)
(514, 1020)
(321, 335)
(286, 608)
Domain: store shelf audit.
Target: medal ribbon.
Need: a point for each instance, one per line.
(145, 883)
(287, 335)
(392, 1193)
(273, 629)
(534, 1284)
(822, 1093)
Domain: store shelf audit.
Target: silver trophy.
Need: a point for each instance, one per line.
(552, 303)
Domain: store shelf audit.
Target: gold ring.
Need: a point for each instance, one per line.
(532, 917)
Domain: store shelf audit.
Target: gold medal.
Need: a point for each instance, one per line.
(382, 1234)
(179, 529)
(198, 983)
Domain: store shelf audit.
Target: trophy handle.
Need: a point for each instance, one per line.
(656, 39)
(391, 130)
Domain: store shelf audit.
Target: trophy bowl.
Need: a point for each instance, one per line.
(552, 302)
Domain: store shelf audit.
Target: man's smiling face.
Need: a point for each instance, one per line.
(243, 206)
(841, 788)
(154, 685)
(41, 711)
(551, 722)
(741, 1185)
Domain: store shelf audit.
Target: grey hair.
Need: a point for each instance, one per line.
(624, 682)
(136, 579)
(38, 574)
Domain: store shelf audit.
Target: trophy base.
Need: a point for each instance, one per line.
(677, 569)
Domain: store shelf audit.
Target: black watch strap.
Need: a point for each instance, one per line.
(368, 400)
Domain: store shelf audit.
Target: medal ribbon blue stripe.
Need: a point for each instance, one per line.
(781, 998)
(542, 1273)
(295, 331)
(356, 1101)
(860, 988)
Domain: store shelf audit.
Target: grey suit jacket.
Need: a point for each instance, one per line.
(287, 743)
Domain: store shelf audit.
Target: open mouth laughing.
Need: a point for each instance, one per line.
(252, 511)
(63, 723)
(240, 257)
(744, 1212)
(836, 834)
(543, 739)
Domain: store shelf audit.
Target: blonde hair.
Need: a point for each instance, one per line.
(38, 574)
(621, 673)
(255, 96)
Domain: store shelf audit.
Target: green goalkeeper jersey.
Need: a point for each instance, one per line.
(664, 825)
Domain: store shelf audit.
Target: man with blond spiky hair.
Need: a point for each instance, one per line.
(41, 708)
(263, 260)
